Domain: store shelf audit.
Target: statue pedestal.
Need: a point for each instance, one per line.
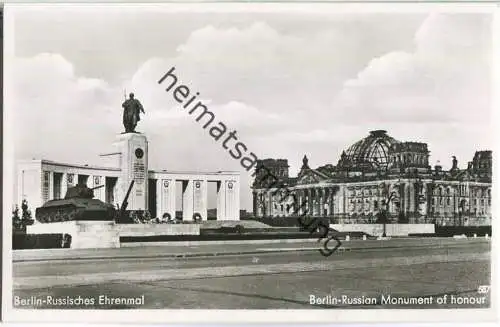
(133, 148)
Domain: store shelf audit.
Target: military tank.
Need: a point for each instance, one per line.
(79, 204)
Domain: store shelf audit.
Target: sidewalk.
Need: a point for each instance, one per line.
(204, 250)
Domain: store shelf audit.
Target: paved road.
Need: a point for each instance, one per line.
(268, 280)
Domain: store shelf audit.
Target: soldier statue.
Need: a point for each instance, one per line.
(131, 110)
(454, 163)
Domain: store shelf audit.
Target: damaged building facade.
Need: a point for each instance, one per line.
(378, 174)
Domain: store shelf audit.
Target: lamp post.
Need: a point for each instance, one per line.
(419, 198)
(389, 196)
(392, 197)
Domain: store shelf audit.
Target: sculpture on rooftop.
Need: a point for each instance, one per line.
(305, 162)
(454, 163)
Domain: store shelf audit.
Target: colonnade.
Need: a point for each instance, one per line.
(414, 199)
(194, 188)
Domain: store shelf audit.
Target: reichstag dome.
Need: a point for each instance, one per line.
(371, 151)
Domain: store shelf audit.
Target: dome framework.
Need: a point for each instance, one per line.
(372, 152)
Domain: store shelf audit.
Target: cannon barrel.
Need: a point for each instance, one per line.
(125, 201)
(96, 187)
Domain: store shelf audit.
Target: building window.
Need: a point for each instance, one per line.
(82, 179)
(448, 201)
(57, 183)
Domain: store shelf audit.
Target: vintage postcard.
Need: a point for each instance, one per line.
(250, 162)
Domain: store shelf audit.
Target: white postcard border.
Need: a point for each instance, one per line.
(245, 316)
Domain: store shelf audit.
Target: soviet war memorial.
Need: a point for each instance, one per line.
(88, 204)
(322, 166)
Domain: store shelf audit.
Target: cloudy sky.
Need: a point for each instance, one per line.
(290, 84)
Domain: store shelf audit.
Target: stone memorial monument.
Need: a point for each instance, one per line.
(95, 213)
(133, 158)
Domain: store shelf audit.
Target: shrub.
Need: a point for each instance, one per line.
(19, 223)
(16, 220)
(26, 218)
(239, 229)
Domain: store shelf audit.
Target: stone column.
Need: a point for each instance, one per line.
(302, 204)
(99, 193)
(221, 200)
(261, 204)
(133, 149)
(270, 199)
(167, 204)
(423, 207)
(64, 185)
(456, 200)
(297, 209)
(310, 202)
(331, 201)
(321, 201)
(228, 200)
(159, 204)
(200, 198)
(272, 203)
(254, 203)
(232, 200)
(410, 197)
(318, 202)
(51, 185)
(312, 199)
(341, 205)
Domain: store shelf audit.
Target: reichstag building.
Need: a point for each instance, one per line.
(379, 174)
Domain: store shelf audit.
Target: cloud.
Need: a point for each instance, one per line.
(257, 64)
(286, 94)
(57, 111)
(446, 78)
(71, 118)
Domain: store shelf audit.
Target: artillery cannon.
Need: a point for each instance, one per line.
(79, 204)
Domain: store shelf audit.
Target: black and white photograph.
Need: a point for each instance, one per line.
(326, 159)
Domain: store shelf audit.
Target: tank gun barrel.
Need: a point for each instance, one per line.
(96, 187)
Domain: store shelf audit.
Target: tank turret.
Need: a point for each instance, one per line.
(81, 191)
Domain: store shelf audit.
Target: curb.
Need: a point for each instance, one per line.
(168, 255)
(216, 254)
